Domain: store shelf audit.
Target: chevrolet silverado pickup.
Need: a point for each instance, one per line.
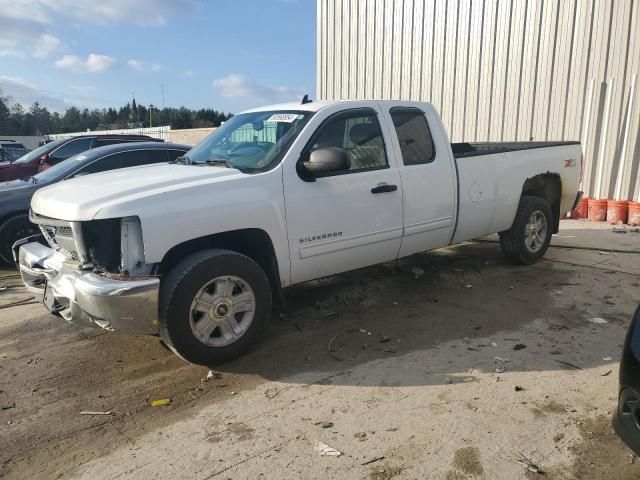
(197, 250)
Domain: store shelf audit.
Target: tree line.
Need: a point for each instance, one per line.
(38, 120)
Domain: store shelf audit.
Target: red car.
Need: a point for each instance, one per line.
(55, 152)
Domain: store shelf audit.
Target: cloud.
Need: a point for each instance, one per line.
(45, 45)
(188, 73)
(240, 86)
(138, 12)
(92, 64)
(141, 66)
(28, 27)
(20, 91)
(21, 39)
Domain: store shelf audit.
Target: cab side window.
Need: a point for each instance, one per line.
(414, 136)
(358, 132)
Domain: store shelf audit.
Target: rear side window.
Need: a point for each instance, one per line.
(125, 159)
(414, 136)
(358, 132)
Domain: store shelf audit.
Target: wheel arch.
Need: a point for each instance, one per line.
(549, 187)
(254, 243)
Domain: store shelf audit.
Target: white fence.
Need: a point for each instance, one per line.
(155, 132)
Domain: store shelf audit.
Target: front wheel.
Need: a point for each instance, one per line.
(14, 229)
(214, 306)
(530, 235)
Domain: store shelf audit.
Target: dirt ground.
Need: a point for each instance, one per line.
(451, 375)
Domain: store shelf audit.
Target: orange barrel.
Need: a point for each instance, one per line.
(634, 213)
(617, 211)
(597, 210)
(581, 211)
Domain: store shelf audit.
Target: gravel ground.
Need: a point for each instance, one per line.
(452, 374)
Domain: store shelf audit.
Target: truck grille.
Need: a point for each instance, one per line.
(60, 238)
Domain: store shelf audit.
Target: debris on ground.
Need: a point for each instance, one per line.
(325, 424)
(160, 402)
(326, 450)
(330, 348)
(7, 407)
(569, 364)
(391, 350)
(532, 467)
(373, 460)
(597, 320)
(501, 359)
(384, 339)
(362, 436)
(417, 272)
(558, 436)
(89, 412)
(519, 388)
(519, 346)
(213, 376)
(468, 285)
(608, 358)
(330, 314)
(607, 373)
(499, 369)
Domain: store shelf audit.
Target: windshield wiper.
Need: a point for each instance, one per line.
(182, 159)
(219, 162)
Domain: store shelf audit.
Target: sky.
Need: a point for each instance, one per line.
(228, 55)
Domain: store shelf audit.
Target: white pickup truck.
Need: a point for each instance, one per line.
(197, 250)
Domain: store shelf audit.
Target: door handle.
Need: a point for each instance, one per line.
(384, 188)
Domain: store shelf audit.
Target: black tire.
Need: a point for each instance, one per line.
(512, 241)
(12, 230)
(179, 288)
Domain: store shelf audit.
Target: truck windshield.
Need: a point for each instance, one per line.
(252, 141)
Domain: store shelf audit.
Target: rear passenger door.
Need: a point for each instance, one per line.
(428, 179)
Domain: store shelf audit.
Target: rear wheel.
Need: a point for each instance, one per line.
(214, 306)
(12, 230)
(529, 237)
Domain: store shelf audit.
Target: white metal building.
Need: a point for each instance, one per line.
(500, 70)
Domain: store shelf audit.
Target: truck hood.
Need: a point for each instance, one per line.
(82, 198)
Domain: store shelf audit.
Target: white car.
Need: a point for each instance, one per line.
(197, 250)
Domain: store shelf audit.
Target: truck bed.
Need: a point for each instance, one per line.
(487, 148)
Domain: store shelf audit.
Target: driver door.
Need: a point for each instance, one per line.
(346, 219)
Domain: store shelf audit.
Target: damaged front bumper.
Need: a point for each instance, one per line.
(83, 297)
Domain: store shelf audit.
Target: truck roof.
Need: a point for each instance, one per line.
(315, 106)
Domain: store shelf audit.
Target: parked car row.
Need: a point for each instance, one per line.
(91, 155)
(57, 151)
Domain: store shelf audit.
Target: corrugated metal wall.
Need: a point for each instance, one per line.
(500, 70)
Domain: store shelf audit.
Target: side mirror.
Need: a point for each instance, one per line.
(323, 161)
(44, 159)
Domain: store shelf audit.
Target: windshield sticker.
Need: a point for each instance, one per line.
(283, 117)
(79, 158)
